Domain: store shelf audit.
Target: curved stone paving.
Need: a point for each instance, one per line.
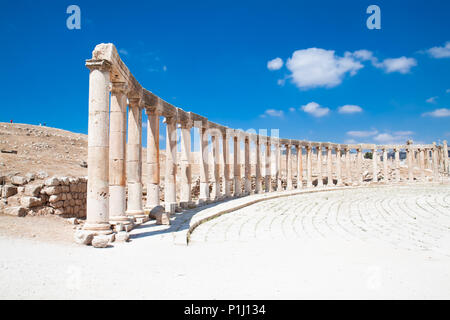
(408, 217)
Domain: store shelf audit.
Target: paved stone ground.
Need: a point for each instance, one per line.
(415, 218)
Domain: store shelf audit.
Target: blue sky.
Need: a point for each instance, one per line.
(212, 58)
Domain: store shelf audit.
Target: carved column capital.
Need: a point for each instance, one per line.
(102, 65)
(119, 88)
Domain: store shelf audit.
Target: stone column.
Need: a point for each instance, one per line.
(170, 185)
(319, 166)
(338, 166)
(397, 164)
(247, 167)
(134, 159)
(422, 164)
(348, 167)
(237, 165)
(445, 155)
(267, 165)
(97, 220)
(216, 166)
(329, 166)
(359, 160)
(204, 176)
(309, 167)
(117, 151)
(289, 167)
(299, 166)
(152, 205)
(278, 159)
(185, 164)
(258, 185)
(410, 160)
(226, 165)
(435, 163)
(385, 165)
(374, 164)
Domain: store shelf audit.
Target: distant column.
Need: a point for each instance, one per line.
(299, 167)
(97, 220)
(319, 166)
(348, 167)
(134, 159)
(338, 166)
(226, 164)
(170, 193)
(374, 164)
(247, 168)
(267, 162)
(422, 164)
(435, 163)
(278, 159)
(117, 152)
(216, 167)
(309, 167)
(237, 165)
(385, 165)
(397, 164)
(185, 165)
(289, 167)
(204, 176)
(410, 160)
(445, 155)
(359, 160)
(258, 184)
(329, 166)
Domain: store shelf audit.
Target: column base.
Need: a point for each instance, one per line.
(120, 219)
(98, 228)
(170, 207)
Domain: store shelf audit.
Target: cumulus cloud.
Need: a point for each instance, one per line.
(440, 52)
(362, 134)
(402, 65)
(315, 109)
(275, 64)
(315, 67)
(273, 113)
(395, 138)
(348, 109)
(363, 55)
(438, 113)
(431, 100)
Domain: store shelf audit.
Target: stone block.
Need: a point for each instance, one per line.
(53, 181)
(33, 190)
(16, 211)
(83, 237)
(14, 201)
(18, 180)
(8, 191)
(51, 190)
(30, 202)
(122, 236)
(162, 218)
(102, 241)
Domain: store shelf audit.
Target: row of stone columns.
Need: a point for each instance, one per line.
(115, 186)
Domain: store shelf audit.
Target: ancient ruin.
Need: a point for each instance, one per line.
(115, 183)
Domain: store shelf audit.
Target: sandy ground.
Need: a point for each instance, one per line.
(330, 266)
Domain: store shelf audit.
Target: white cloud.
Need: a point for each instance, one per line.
(362, 134)
(281, 82)
(273, 113)
(440, 52)
(315, 67)
(363, 55)
(350, 141)
(347, 109)
(123, 51)
(402, 65)
(404, 133)
(275, 64)
(291, 109)
(315, 109)
(431, 100)
(438, 113)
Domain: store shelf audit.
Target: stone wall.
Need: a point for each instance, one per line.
(63, 196)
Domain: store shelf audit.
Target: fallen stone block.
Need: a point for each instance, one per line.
(122, 236)
(33, 190)
(18, 180)
(83, 237)
(8, 191)
(16, 211)
(162, 218)
(53, 181)
(30, 202)
(102, 241)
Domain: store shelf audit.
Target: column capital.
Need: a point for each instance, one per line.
(152, 112)
(135, 102)
(170, 120)
(186, 124)
(119, 88)
(103, 65)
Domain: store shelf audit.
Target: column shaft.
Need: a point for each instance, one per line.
(385, 165)
(247, 167)
(309, 167)
(299, 167)
(289, 185)
(319, 166)
(375, 165)
(268, 164)
(185, 164)
(216, 167)
(329, 167)
(98, 149)
(338, 166)
(348, 166)
(226, 165)
(237, 165)
(153, 165)
(204, 176)
(258, 185)
(170, 185)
